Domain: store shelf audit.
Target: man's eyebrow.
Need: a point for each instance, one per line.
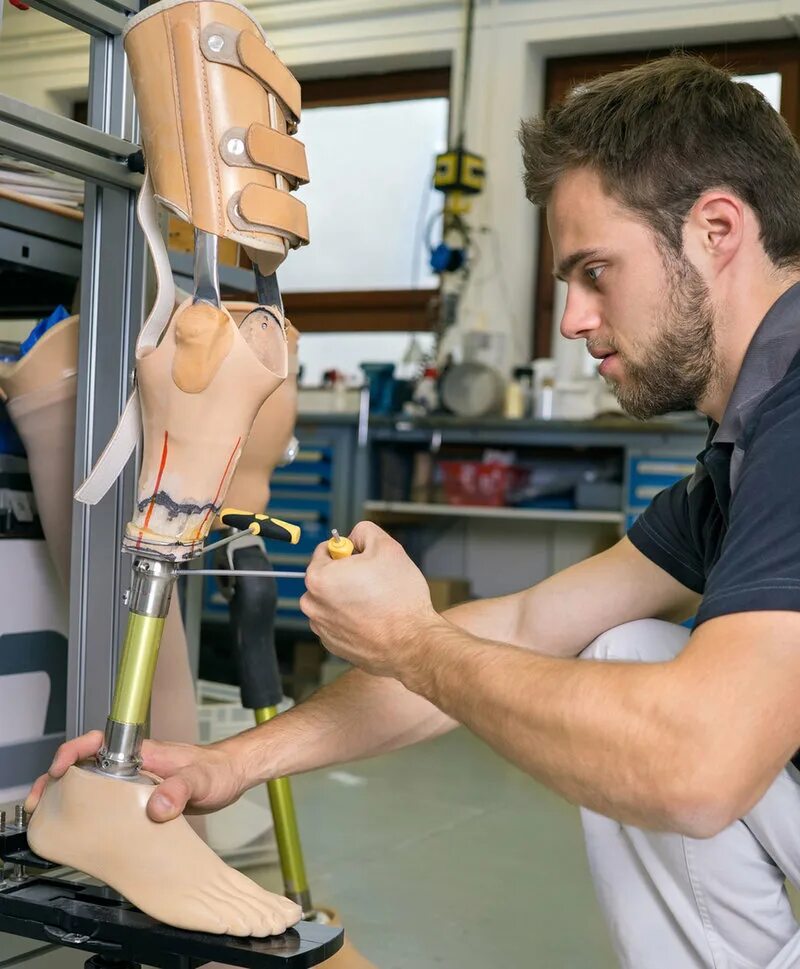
(567, 264)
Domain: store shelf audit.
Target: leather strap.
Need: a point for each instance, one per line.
(270, 207)
(116, 454)
(277, 152)
(265, 65)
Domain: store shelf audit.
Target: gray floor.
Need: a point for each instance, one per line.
(445, 855)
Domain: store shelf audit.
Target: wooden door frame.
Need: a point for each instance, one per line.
(563, 73)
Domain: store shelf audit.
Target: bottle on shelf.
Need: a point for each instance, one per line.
(426, 393)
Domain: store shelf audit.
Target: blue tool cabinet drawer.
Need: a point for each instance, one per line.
(648, 474)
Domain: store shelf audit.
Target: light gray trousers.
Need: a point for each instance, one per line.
(673, 902)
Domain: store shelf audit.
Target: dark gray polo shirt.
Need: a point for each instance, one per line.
(731, 531)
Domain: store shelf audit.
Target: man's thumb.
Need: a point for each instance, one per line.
(169, 798)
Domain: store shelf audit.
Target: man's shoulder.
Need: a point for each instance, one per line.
(779, 411)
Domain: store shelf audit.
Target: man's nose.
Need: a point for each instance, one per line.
(581, 315)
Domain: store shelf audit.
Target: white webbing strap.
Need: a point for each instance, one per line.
(123, 442)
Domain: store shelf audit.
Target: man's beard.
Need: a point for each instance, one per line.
(680, 365)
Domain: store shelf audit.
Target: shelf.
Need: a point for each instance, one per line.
(474, 511)
(231, 278)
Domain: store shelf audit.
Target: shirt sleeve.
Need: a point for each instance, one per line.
(664, 533)
(759, 564)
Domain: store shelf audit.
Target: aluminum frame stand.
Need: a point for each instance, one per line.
(112, 299)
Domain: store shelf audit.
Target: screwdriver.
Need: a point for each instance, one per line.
(338, 548)
(260, 524)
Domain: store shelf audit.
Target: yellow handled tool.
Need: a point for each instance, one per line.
(338, 547)
(259, 524)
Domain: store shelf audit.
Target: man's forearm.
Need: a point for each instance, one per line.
(358, 715)
(355, 717)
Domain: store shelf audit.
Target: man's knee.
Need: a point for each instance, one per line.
(642, 641)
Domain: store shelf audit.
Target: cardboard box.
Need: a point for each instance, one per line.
(180, 238)
(448, 592)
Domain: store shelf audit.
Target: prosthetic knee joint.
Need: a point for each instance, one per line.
(218, 110)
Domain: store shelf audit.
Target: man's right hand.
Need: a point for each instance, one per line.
(197, 780)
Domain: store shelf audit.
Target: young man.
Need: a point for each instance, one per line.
(673, 199)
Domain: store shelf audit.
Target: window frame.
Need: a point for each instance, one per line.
(374, 311)
(359, 311)
(563, 73)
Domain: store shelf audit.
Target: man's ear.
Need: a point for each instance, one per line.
(714, 230)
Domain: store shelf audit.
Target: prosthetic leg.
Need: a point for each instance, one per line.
(253, 604)
(217, 108)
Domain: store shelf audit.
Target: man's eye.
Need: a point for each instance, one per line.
(594, 272)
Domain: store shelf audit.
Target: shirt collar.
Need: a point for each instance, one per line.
(775, 344)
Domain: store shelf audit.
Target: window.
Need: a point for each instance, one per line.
(370, 202)
(772, 67)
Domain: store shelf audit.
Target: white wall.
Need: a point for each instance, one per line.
(47, 64)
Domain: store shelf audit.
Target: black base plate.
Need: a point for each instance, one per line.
(97, 920)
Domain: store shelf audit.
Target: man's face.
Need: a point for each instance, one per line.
(647, 316)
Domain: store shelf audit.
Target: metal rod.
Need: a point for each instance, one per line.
(223, 541)
(65, 145)
(263, 575)
(88, 15)
(151, 590)
(287, 833)
(206, 269)
(137, 668)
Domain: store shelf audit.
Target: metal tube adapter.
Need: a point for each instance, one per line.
(290, 851)
(151, 591)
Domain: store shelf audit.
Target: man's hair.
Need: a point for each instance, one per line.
(661, 134)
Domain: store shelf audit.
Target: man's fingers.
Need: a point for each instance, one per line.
(364, 534)
(74, 750)
(170, 798)
(321, 555)
(35, 794)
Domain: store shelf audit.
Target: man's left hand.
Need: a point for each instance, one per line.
(373, 609)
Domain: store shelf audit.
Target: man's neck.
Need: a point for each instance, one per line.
(738, 318)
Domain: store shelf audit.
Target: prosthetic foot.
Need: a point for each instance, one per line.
(163, 869)
(217, 109)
